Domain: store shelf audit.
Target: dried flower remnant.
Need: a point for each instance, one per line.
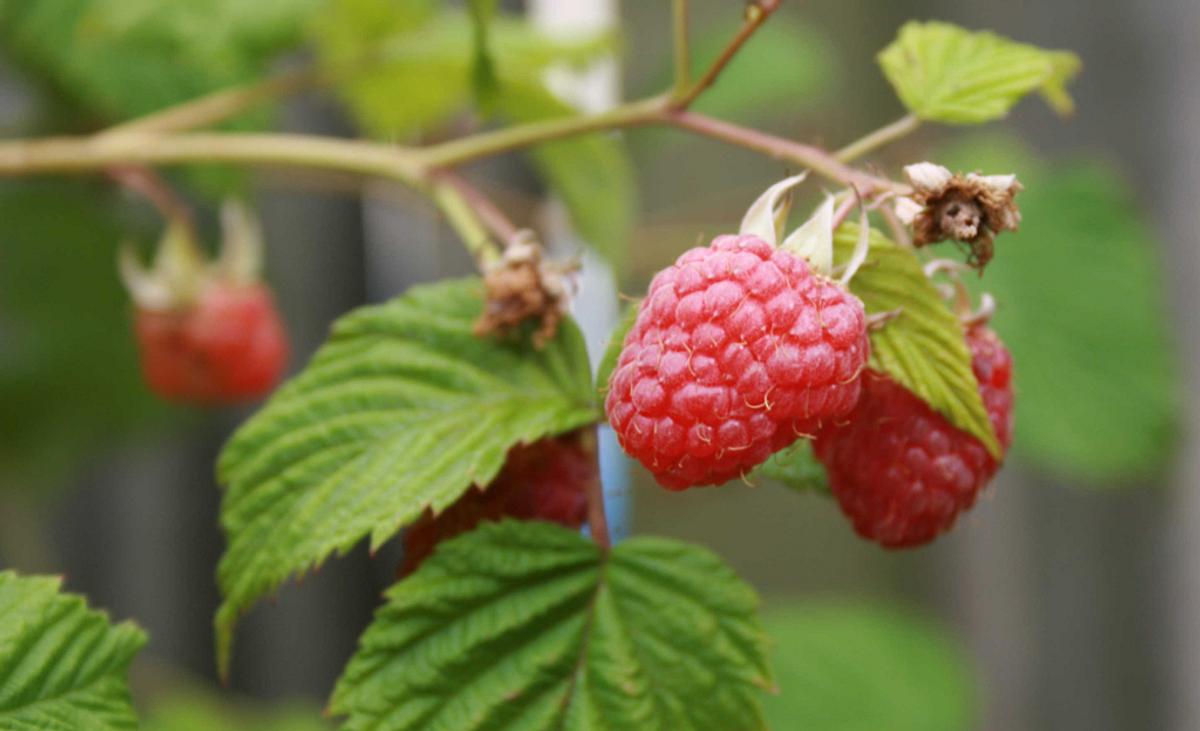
(522, 286)
(969, 208)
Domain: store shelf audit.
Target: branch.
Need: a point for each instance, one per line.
(147, 183)
(818, 160)
(486, 144)
(594, 489)
(488, 212)
(75, 154)
(757, 13)
(466, 222)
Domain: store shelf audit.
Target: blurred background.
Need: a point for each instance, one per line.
(1069, 598)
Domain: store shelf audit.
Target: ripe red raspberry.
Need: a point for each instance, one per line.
(737, 351)
(900, 471)
(545, 480)
(228, 345)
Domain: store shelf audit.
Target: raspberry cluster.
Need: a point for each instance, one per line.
(899, 470)
(545, 480)
(738, 350)
(228, 345)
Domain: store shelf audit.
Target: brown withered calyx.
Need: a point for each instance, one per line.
(969, 208)
(521, 286)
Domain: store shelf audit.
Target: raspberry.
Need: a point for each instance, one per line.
(208, 331)
(737, 351)
(228, 345)
(545, 480)
(993, 369)
(899, 470)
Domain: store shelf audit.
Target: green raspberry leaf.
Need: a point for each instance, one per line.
(63, 667)
(403, 409)
(531, 626)
(944, 73)
(795, 467)
(847, 667)
(923, 348)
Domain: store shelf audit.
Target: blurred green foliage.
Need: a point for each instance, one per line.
(803, 72)
(591, 173)
(405, 70)
(123, 58)
(69, 377)
(483, 66)
(850, 667)
(1081, 307)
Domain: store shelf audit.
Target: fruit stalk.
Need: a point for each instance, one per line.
(683, 59)
(808, 156)
(880, 137)
(467, 222)
(597, 517)
(148, 184)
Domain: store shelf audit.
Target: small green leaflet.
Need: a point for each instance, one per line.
(382, 52)
(795, 467)
(944, 73)
(616, 341)
(62, 666)
(530, 627)
(923, 347)
(401, 410)
(848, 667)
